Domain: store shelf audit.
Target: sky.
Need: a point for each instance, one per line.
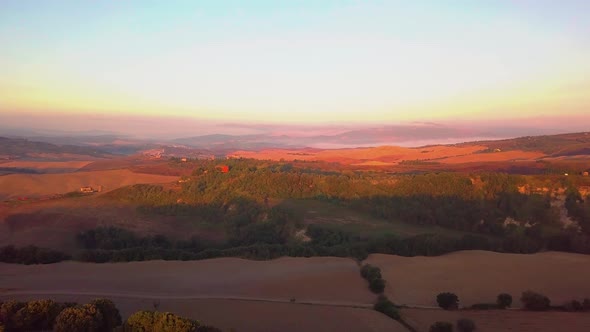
(64, 64)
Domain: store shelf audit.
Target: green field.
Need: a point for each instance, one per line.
(346, 219)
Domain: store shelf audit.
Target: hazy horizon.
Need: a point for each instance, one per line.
(184, 68)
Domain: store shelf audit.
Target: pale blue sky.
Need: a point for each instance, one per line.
(297, 61)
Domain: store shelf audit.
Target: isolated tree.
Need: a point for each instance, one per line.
(86, 318)
(504, 300)
(111, 317)
(447, 301)
(441, 327)
(465, 325)
(535, 301)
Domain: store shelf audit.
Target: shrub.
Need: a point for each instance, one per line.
(111, 317)
(586, 305)
(441, 327)
(465, 325)
(504, 300)
(447, 301)
(85, 318)
(535, 301)
(384, 305)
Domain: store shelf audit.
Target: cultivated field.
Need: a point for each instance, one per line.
(392, 155)
(15, 185)
(46, 165)
(479, 276)
(286, 294)
(502, 320)
(253, 316)
(318, 279)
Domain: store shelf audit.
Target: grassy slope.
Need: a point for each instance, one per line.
(346, 219)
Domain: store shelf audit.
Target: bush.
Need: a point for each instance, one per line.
(85, 318)
(586, 305)
(111, 317)
(441, 327)
(504, 300)
(535, 301)
(447, 301)
(465, 325)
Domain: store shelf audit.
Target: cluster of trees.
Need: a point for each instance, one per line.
(31, 255)
(475, 203)
(100, 315)
(143, 321)
(373, 275)
(538, 302)
(530, 300)
(269, 240)
(43, 315)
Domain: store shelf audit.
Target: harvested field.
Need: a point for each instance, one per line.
(14, 185)
(502, 320)
(319, 279)
(383, 155)
(479, 276)
(493, 157)
(46, 165)
(254, 316)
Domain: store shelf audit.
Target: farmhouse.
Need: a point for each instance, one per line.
(86, 190)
